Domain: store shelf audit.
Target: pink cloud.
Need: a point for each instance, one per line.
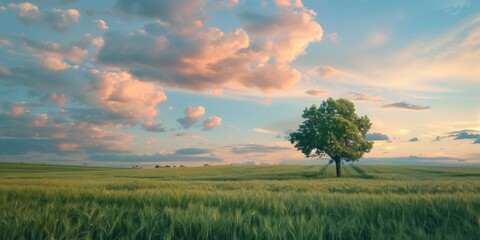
(67, 147)
(328, 72)
(40, 120)
(208, 59)
(212, 122)
(192, 115)
(100, 24)
(361, 97)
(58, 99)
(123, 95)
(17, 109)
(333, 37)
(55, 64)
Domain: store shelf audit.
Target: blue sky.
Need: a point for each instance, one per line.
(123, 82)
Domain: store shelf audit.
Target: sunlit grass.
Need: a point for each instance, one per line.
(233, 202)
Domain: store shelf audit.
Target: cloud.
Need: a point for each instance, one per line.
(56, 134)
(264, 130)
(192, 115)
(212, 122)
(415, 139)
(333, 37)
(5, 43)
(208, 59)
(328, 72)
(55, 64)
(125, 96)
(190, 137)
(405, 106)
(315, 92)
(155, 158)
(5, 71)
(74, 51)
(58, 99)
(60, 20)
(100, 24)
(179, 13)
(192, 151)
(151, 126)
(465, 134)
(291, 30)
(228, 3)
(57, 19)
(27, 12)
(361, 97)
(255, 148)
(426, 62)
(289, 3)
(17, 109)
(376, 137)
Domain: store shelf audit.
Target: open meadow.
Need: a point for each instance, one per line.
(239, 202)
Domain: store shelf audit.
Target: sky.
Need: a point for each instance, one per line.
(144, 82)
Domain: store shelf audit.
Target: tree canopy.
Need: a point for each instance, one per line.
(333, 129)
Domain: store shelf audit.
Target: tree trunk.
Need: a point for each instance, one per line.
(338, 165)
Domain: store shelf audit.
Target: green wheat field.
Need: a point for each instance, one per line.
(239, 202)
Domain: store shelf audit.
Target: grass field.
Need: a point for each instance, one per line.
(239, 202)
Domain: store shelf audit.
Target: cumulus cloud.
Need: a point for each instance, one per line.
(192, 115)
(123, 95)
(27, 12)
(212, 122)
(74, 51)
(58, 99)
(291, 30)
(151, 126)
(57, 19)
(208, 58)
(60, 20)
(100, 24)
(361, 97)
(376, 137)
(405, 106)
